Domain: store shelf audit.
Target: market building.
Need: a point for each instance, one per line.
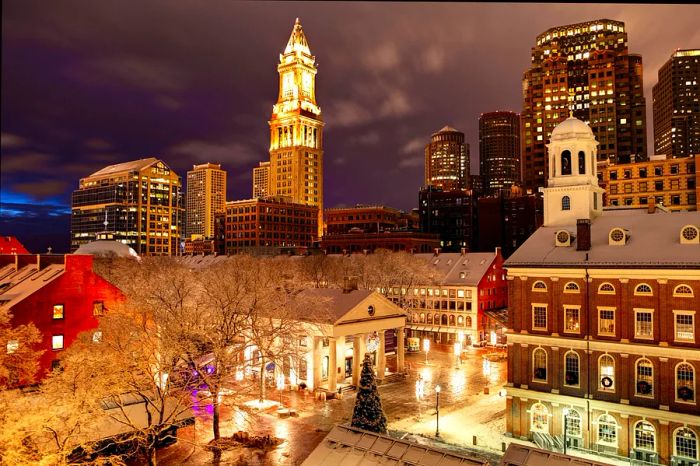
(603, 335)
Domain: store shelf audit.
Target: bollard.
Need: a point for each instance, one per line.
(503, 447)
(474, 439)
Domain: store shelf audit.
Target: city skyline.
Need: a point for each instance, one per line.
(140, 87)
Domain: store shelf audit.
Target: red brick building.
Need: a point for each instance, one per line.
(359, 242)
(467, 284)
(603, 347)
(258, 225)
(60, 294)
(368, 219)
(11, 245)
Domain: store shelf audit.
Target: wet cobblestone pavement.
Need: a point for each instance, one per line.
(461, 386)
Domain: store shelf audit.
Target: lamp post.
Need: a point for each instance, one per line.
(458, 353)
(426, 348)
(437, 410)
(566, 413)
(280, 386)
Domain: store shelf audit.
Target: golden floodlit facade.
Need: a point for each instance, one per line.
(296, 125)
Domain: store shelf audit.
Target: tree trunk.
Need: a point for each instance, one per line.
(215, 418)
(262, 382)
(152, 461)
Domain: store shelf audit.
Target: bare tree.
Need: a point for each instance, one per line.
(19, 362)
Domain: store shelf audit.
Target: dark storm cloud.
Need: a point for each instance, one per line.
(86, 84)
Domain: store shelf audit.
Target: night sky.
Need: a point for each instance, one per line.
(86, 84)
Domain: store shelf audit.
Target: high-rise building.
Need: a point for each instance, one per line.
(586, 66)
(499, 149)
(206, 197)
(447, 160)
(261, 179)
(296, 125)
(677, 105)
(139, 203)
(603, 331)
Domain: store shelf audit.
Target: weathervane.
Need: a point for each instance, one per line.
(571, 103)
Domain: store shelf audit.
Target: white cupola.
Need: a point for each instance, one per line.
(572, 190)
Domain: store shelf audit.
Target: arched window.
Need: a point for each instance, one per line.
(572, 423)
(539, 365)
(452, 320)
(469, 321)
(566, 162)
(430, 318)
(460, 321)
(539, 286)
(685, 383)
(571, 287)
(581, 162)
(540, 418)
(422, 318)
(685, 443)
(444, 319)
(644, 379)
(606, 372)
(606, 288)
(643, 290)
(683, 291)
(436, 320)
(415, 317)
(607, 430)
(571, 368)
(566, 203)
(644, 436)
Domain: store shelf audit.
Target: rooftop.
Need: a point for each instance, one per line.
(654, 242)
(134, 165)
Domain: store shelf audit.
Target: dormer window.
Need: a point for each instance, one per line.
(690, 235)
(618, 237)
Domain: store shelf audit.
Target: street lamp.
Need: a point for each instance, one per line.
(458, 353)
(566, 414)
(437, 410)
(426, 348)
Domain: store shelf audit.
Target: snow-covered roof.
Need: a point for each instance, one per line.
(654, 242)
(454, 268)
(126, 166)
(354, 447)
(338, 302)
(17, 284)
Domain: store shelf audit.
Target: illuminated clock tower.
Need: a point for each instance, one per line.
(296, 142)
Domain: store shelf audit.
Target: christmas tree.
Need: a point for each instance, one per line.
(368, 413)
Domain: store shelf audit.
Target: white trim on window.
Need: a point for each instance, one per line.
(539, 307)
(688, 334)
(609, 329)
(644, 329)
(692, 386)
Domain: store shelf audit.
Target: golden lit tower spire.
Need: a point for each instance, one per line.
(296, 143)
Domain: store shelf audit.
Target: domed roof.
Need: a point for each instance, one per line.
(572, 127)
(107, 248)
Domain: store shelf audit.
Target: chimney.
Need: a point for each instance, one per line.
(349, 284)
(652, 207)
(437, 252)
(583, 234)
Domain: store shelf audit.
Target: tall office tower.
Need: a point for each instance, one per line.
(261, 180)
(447, 160)
(588, 66)
(139, 203)
(296, 142)
(206, 197)
(677, 105)
(499, 149)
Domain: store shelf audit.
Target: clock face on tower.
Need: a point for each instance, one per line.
(306, 83)
(288, 84)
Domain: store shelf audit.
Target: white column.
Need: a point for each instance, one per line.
(316, 355)
(381, 355)
(399, 349)
(332, 365)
